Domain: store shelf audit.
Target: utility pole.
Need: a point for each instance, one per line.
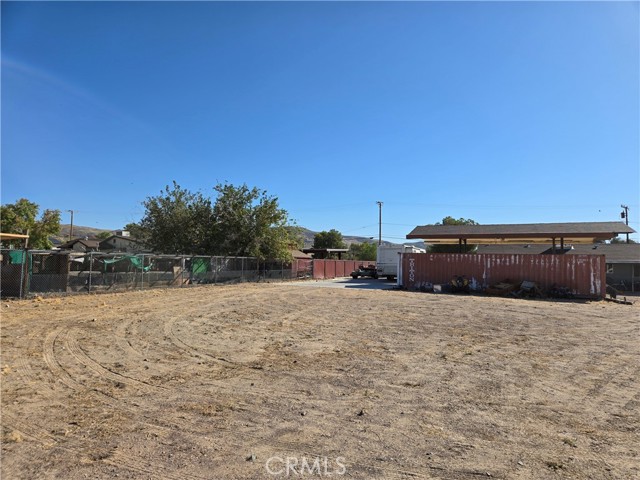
(625, 215)
(71, 229)
(379, 223)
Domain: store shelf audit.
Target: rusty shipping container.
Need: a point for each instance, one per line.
(584, 275)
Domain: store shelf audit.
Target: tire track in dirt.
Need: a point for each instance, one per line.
(121, 337)
(73, 347)
(102, 371)
(299, 446)
(60, 373)
(149, 420)
(193, 427)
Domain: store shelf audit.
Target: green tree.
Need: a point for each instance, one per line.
(330, 239)
(21, 218)
(242, 221)
(177, 221)
(457, 221)
(249, 222)
(453, 248)
(363, 251)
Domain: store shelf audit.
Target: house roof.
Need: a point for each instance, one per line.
(297, 254)
(614, 252)
(128, 239)
(86, 243)
(576, 232)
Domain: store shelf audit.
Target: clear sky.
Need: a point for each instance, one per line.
(503, 112)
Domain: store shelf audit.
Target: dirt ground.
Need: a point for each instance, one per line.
(260, 381)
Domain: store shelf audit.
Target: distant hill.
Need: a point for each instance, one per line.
(78, 232)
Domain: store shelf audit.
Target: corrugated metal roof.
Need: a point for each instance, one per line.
(525, 231)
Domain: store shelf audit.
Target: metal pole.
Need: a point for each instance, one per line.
(625, 215)
(142, 274)
(71, 228)
(379, 222)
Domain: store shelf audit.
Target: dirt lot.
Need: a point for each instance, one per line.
(236, 382)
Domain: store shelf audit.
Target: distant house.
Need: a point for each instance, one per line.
(623, 259)
(81, 245)
(121, 243)
(298, 255)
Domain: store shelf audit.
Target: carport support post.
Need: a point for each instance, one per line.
(142, 273)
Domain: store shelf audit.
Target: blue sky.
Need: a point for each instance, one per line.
(503, 112)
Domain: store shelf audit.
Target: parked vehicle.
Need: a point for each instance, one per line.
(362, 271)
(389, 257)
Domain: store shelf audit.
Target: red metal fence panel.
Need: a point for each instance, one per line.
(334, 268)
(330, 268)
(318, 269)
(584, 275)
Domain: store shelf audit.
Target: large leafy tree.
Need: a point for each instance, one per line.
(22, 217)
(176, 221)
(453, 248)
(242, 221)
(330, 239)
(249, 222)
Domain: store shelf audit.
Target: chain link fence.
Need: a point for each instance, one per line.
(25, 272)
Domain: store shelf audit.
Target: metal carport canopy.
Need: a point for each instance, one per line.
(576, 233)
